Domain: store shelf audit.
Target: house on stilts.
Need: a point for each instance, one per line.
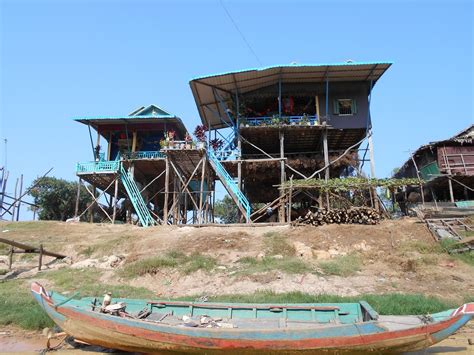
(260, 128)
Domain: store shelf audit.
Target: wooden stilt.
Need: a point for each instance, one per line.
(167, 190)
(290, 199)
(201, 194)
(15, 200)
(94, 191)
(281, 209)
(114, 213)
(326, 162)
(78, 196)
(372, 170)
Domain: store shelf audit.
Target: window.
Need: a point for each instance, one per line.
(345, 107)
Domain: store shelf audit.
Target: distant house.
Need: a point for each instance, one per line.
(447, 167)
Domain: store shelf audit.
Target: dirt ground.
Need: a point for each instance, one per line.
(395, 257)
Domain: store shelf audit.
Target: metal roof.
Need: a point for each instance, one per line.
(143, 114)
(210, 90)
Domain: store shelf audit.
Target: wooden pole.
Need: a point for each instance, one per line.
(134, 141)
(10, 258)
(94, 192)
(167, 190)
(372, 170)
(15, 200)
(109, 147)
(19, 202)
(281, 210)
(290, 199)
(419, 179)
(201, 196)
(78, 196)
(40, 262)
(318, 117)
(239, 172)
(114, 213)
(448, 168)
(326, 162)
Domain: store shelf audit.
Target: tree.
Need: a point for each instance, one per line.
(56, 198)
(226, 210)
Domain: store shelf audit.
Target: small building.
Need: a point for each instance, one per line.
(288, 120)
(447, 168)
(127, 160)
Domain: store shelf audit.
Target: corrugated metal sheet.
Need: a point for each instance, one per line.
(210, 91)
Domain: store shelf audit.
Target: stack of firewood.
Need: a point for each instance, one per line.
(353, 215)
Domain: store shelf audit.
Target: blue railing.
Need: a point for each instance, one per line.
(279, 121)
(136, 198)
(230, 183)
(144, 155)
(98, 167)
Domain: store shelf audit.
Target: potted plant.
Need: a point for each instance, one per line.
(305, 120)
(275, 120)
(188, 140)
(216, 143)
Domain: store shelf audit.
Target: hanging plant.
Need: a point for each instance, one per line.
(200, 133)
(216, 143)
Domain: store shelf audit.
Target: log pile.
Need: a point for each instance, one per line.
(353, 215)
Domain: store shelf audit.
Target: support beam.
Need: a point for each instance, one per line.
(201, 196)
(167, 190)
(326, 162)
(134, 141)
(281, 210)
(372, 170)
(114, 213)
(78, 196)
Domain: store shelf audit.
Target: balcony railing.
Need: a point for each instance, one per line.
(280, 121)
(98, 167)
(144, 155)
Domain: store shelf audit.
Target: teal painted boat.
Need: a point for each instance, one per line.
(236, 328)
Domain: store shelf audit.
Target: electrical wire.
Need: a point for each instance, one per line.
(240, 32)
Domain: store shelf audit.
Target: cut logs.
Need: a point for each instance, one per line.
(354, 215)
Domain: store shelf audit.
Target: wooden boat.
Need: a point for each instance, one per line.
(230, 328)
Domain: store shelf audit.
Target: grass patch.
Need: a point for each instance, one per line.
(342, 266)
(173, 259)
(289, 265)
(18, 307)
(87, 252)
(448, 244)
(86, 282)
(276, 244)
(3, 271)
(421, 247)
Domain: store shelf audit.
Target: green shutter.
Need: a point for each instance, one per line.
(336, 107)
(354, 107)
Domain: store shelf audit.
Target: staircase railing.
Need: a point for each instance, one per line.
(136, 198)
(230, 185)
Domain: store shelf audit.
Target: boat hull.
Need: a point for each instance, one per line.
(139, 336)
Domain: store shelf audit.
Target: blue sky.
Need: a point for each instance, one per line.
(64, 59)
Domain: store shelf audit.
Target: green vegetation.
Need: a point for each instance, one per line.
(173, 259)
(226, 210)
(56, 198)
(18, 307)
(350, 183)
(448, 245)
(289, 265)
(87, 283)
(342, 266)
(276, 244)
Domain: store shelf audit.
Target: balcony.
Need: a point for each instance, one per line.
(144, 155)
(275, 121)
(106, 166)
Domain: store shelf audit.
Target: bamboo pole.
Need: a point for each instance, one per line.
(281, 210)
(15, 200)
